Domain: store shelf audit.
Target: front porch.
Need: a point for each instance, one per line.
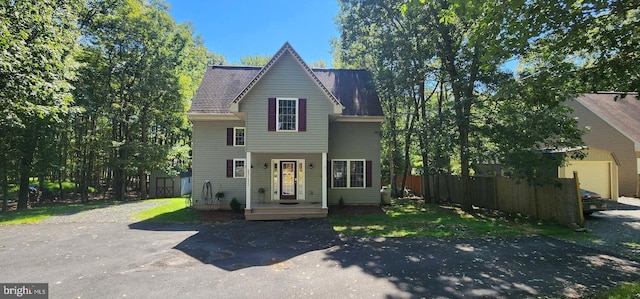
(279, 211)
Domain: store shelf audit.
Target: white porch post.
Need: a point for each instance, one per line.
(324, 180)
(247, 167)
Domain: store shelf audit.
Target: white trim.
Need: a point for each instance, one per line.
(297, 116)
(234, 136)
(360, 119)
(324, 180)
(248, 182)
(212, 116)
(286, 48)
(348, 173)
(244, 172)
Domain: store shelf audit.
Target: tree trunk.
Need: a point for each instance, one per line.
(25, 171)
(462, 98)
(5, 184)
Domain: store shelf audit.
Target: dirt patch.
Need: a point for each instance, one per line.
(220, 215)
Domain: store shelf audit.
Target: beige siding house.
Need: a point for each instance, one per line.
(285, 140)
(612, 122)
(597, 172)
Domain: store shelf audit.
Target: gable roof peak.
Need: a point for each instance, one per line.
(284, 49)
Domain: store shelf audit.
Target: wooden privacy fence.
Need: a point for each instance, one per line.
(559, 202)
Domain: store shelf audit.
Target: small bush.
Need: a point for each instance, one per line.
(341, 202)
(235, 205)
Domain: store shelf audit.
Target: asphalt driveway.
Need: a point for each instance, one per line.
(96, 258)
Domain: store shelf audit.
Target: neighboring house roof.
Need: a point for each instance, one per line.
(223, 85)
(621, 113)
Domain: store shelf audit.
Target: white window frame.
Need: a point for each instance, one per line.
(348, 173)
(244, 168)
(297, 115)
(235, 136)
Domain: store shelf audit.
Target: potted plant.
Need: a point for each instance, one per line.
(219, 195)
(260, 195)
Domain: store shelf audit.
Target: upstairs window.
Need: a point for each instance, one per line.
(287, 115)
(238, 136)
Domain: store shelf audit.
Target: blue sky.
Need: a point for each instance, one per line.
(236, 28)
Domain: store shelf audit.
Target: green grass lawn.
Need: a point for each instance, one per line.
(67, 187)
(175, 210)
(624, 291)
(405, 218)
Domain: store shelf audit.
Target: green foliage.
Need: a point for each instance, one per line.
(235, 205)
(320, 63)
(140, 70)
(255, 60)
(407, 218)
(38, 39)
(215, 59)
(598, 39)
(341, 202)
(439, 69)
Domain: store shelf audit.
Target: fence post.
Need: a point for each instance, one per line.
(580, 215)
(495, 192)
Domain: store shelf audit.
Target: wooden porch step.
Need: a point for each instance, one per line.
(285, 212)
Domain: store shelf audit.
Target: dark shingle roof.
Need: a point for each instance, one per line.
(621, 113)
(221, 84)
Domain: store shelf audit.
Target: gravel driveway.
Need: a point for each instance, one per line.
(108, 213)
(617, 229)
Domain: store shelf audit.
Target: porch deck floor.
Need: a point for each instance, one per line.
(278, 211)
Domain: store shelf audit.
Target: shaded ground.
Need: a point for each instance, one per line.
(107, 255)
(294, 259)
(224, 215)
(617, 229)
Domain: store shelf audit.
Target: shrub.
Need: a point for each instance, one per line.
(341, 202)
(235, 205)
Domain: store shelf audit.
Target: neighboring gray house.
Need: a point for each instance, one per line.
(285, 140)
(612, 123)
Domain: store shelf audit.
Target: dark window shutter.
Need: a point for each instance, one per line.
(272, 114)
(329, 174)
(369, 173)
(302, 115)
(230, 168)
(230, 136)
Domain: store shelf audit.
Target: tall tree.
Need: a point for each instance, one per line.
(144, 68)
(453, 49)
(38, 40)
(599, 37)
